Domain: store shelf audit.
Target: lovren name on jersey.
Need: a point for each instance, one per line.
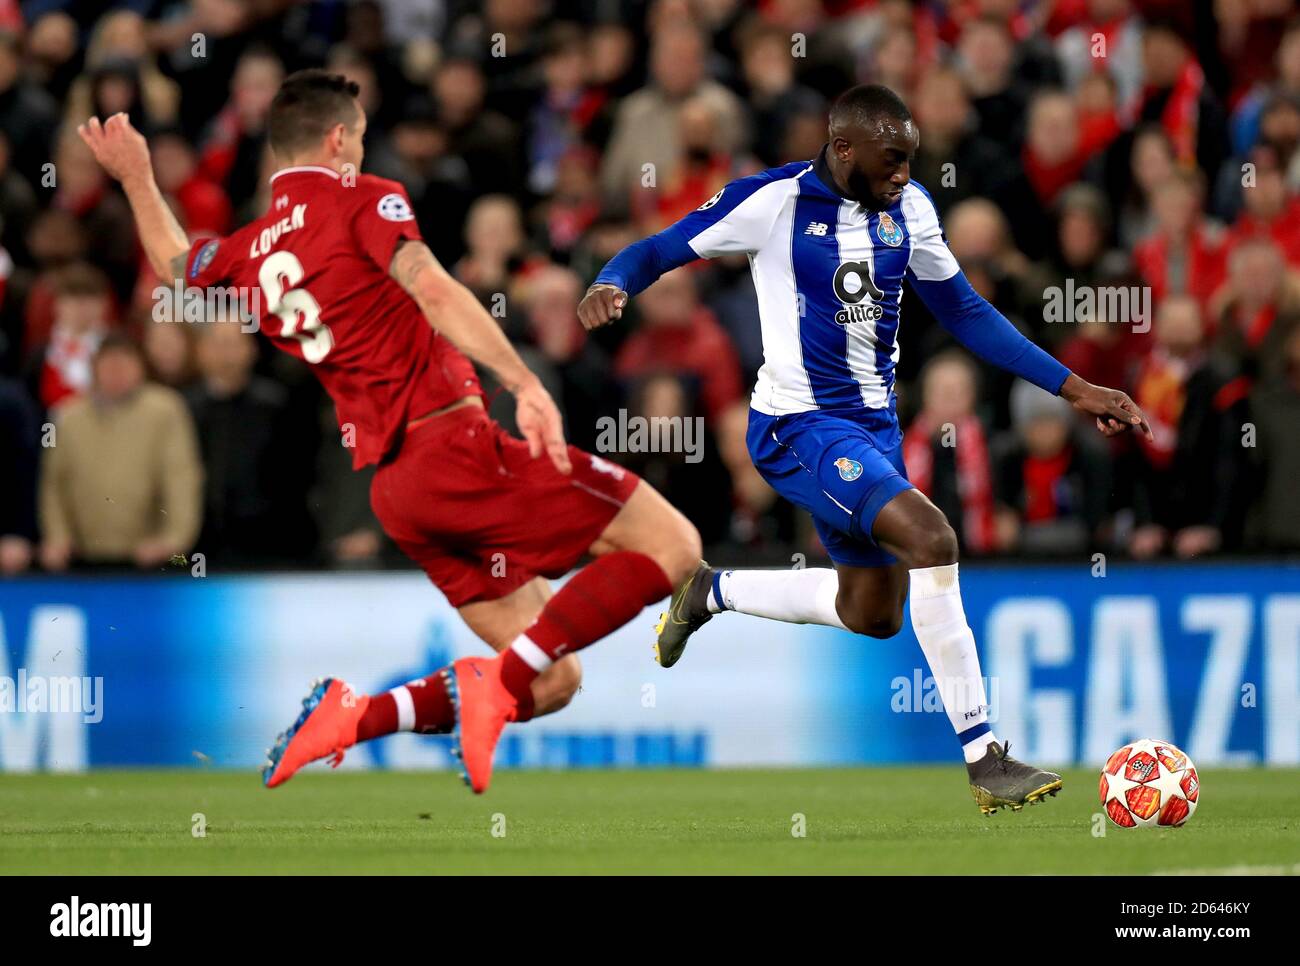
(318, 261)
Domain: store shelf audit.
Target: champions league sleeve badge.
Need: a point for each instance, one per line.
(889, 231)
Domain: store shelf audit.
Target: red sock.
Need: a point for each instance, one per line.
(597, 600)
(429, 711)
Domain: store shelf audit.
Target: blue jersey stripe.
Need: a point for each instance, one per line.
(814, 259)
(890, 265)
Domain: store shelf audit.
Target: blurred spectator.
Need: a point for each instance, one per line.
(233, 145)
(1257, 310)
(28, 115)
(122, 75)
(647, 130)
(494, 237)
(680, 463)
(488, 141)
(1269, 209)
(1137, 175)
(1051, 482)
(957, 161)
(86, 192)
(1275, 410)
(1109, 39)
(1185, 253)
(19, 449)
(679, 335)
(774, 96)
(565, 108)
(1188, 496)
(169, 353)
(257, 464)
(946, 452)
(62, 367)
(985, 55)
(550, 296)
(699, 174)
(201, 204)
(122, 482)
(18, 203)
(1177, 97)
(54, 56)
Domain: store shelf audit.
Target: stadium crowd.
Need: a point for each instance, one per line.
(1143, 146)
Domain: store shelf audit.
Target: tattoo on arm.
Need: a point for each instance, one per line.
(177, 264)
(408, 261)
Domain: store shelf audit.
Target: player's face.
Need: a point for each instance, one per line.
(879, 160)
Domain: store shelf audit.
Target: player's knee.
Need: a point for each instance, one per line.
(874, 622)
(933, 546)
(680, 553)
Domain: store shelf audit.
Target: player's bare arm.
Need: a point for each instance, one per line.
(601, 305)
(453, 310)
(122, 151)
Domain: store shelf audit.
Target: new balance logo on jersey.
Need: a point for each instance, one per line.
(817, 228)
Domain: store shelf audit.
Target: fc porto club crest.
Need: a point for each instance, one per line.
(849, 469)
(889, 231)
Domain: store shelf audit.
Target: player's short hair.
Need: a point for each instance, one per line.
(308, 104)
(865, 106)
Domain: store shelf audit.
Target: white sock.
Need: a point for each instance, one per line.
(949, 646)
(795, 596)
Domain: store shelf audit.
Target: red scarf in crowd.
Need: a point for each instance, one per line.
(66, 370)
(974, 478)
(1181, 114)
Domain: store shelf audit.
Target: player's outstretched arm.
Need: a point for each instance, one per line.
(985, 331)
(452, 310)
(122, 151)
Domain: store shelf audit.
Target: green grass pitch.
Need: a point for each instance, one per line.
(862, 820)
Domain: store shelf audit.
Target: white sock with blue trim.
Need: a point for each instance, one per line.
(939, 621)
(804, 596)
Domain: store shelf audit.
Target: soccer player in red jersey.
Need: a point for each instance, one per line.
(345, 283)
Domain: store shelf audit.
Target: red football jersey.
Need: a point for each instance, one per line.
(319, 261)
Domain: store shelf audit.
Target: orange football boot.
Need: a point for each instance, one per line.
(483, 707)
(327, 726)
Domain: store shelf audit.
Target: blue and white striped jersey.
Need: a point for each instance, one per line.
(829, 277)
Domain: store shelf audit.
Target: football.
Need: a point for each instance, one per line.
(1149, 784)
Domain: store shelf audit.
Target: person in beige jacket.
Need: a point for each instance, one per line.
(123, 481)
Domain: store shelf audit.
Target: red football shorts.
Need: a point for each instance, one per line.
(465, 500)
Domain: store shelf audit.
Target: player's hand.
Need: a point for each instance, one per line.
(540, 422)
(119, 148)
(601, 305)
(1114, 411)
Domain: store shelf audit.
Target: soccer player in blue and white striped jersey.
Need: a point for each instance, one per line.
(830, 242)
